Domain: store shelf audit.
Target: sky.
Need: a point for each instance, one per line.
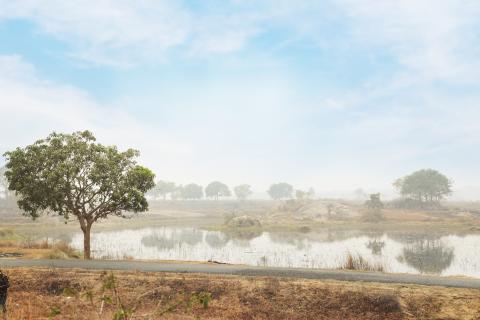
(333, 94)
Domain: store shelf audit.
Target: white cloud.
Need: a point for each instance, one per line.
(33, 108)
(107, 31)
(435, 39)
(127, 32)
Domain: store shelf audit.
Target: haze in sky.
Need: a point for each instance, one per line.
(334, 94)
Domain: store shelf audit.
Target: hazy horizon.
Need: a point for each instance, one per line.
(335, 95)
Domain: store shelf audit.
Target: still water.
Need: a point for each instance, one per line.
(444, 254)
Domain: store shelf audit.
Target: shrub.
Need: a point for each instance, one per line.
(360, 264)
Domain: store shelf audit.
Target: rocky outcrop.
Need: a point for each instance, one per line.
(243, 222)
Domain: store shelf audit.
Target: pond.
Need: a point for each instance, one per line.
(430, 253)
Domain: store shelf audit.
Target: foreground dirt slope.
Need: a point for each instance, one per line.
(78, 294)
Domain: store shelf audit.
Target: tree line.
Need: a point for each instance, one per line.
(216, 190)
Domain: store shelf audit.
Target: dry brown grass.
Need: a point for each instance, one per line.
(55, 250)
(358, 263)
(40, 293)
(41, 250)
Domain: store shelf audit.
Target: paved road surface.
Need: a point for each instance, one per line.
(224, 269)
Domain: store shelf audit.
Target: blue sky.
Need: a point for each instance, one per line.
(334, 94)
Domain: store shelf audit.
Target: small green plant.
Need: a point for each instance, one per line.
(70, 292)
(54, 311)
(109, 284)
(203, 298)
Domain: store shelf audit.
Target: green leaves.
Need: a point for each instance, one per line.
(280, 190)
(72, 174)
(217, 189)
(425, 185)
(242, 191)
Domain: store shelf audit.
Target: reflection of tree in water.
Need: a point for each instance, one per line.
(191, 237)
(216, 240)
(292, 238)
(428, 256)
(376, 246)
(414, 237)
(243, 234)
(332, 235)
(158, 241)
(164, 242)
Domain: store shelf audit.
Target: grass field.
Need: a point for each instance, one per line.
(78, 294)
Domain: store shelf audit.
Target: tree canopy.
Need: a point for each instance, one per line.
(217, 189)
(425, 185)
(192, 191)
(73, 175)
(242, 191)
(280, 190)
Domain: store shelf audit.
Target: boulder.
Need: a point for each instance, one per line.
(244, 221)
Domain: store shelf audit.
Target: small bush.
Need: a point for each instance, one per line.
(60, 250)
(360, 264)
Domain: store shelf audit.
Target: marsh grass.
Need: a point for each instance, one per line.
(359, 263)
(57, 250)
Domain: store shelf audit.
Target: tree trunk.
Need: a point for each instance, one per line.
(86, 241)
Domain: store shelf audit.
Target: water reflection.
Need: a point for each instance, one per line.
(405, 252)
(298, 240)
(168, 240)
(376, 246)
(159, 242)
(428, 256)
(216, 240)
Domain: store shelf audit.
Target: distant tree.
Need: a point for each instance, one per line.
(425, 185)
(374, 203)
(311, 193)
(280, 190)
(192, 191)
(217, 189)
(305, 195)
(177, 193)
(162, 189)
(242, 191)
(72, 175)
(301, 195)
(374, 208)
(360, 193)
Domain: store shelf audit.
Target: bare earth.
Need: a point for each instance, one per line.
(38, 293)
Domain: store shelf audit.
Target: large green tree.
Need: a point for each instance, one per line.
(242, 191)
(280, 190)
(73, 175)
(217, 189)
(425, 185)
